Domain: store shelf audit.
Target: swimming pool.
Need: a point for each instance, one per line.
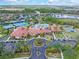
(21, 24)
(16, 24)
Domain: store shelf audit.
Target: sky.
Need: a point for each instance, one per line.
(39, 2)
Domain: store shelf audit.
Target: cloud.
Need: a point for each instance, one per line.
(50, 1)
(40, 2)
(10, 0)
(15, 0)
(63, 2)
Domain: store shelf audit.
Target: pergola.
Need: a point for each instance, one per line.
(55, 28)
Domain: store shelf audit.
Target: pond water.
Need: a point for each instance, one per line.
(65, 16)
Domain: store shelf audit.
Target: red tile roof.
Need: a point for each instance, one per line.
(23, 32)
(19, 32)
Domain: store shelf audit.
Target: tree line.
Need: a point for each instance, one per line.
(30, 10)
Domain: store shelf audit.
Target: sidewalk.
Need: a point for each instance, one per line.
(22, 58)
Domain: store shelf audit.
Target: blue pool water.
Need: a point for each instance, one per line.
(8, 26)
(16, 24)
(21, 24)
(71, 30)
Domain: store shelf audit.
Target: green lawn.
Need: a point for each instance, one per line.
(5, 57)
(77, 57)
(59, 35)
(77, 51)
(72, 34)
(13, 56)
(48, 37)
(2, 35)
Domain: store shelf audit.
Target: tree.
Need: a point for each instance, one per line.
(70, 54)
(50, 20)
(1, 29)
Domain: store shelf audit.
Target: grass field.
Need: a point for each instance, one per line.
(2, 35)
(74, 35)
(59, 35)
(13, 56)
